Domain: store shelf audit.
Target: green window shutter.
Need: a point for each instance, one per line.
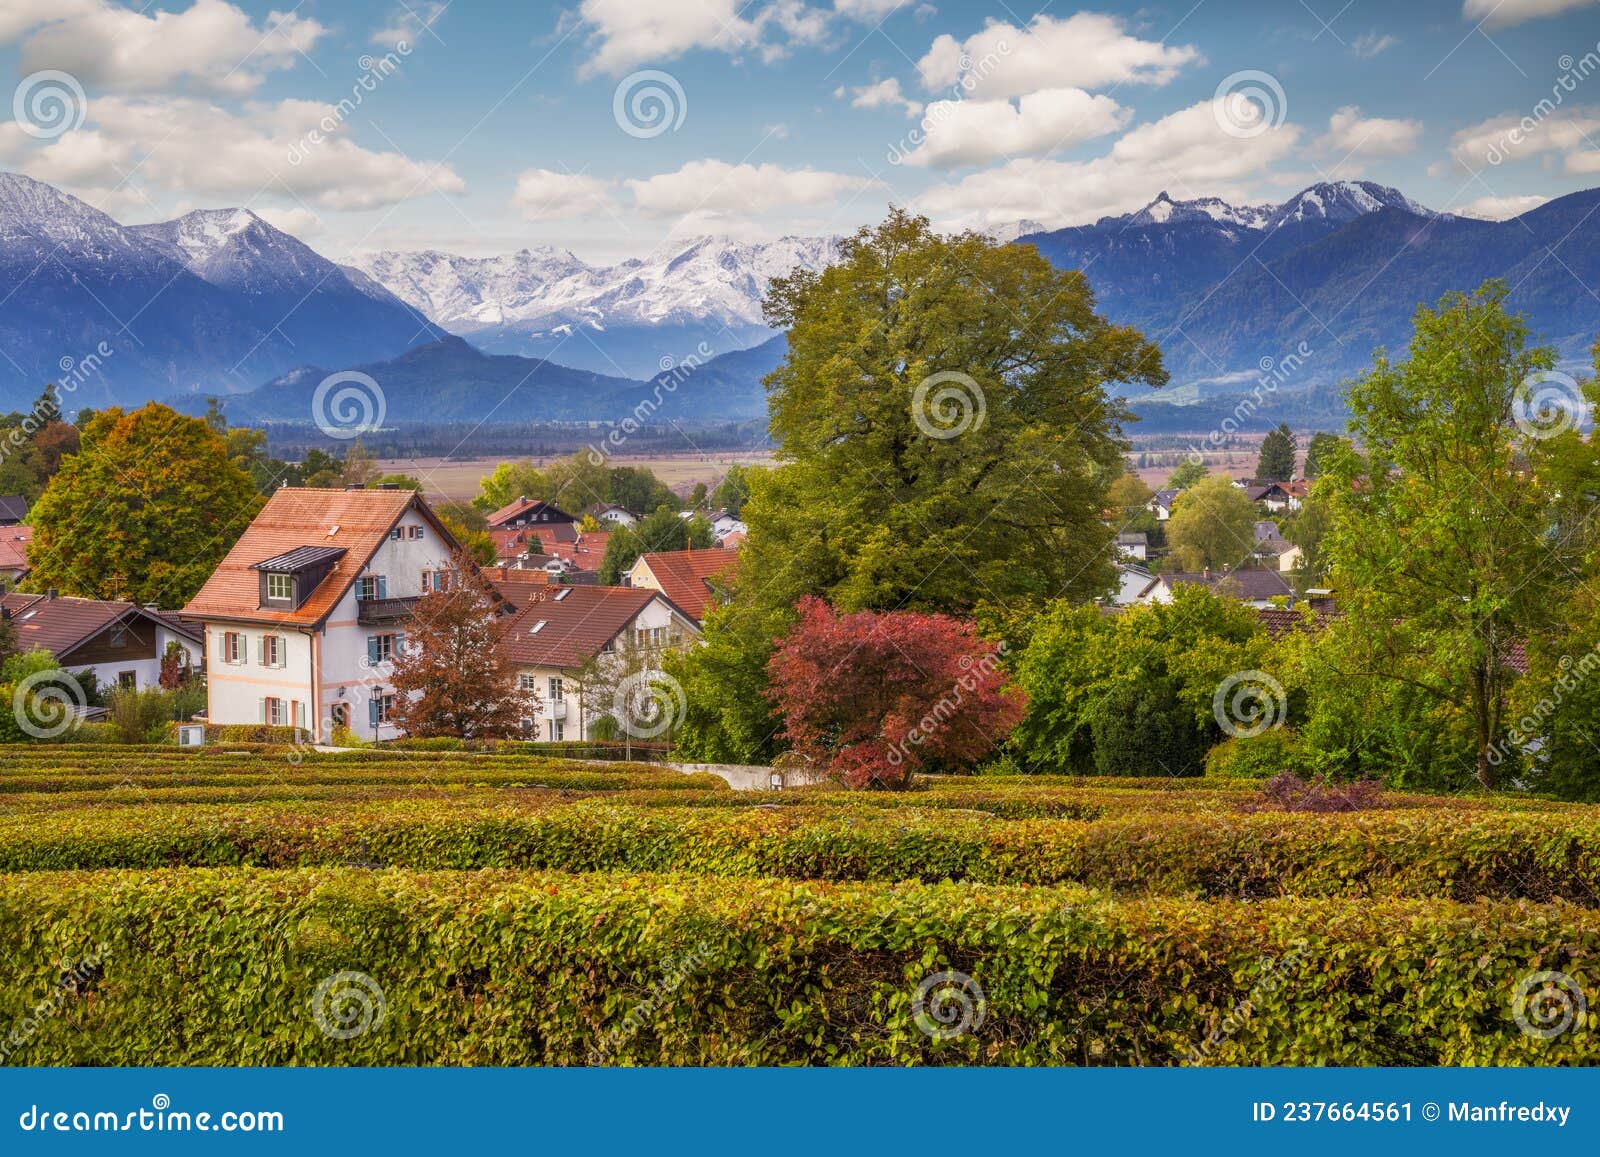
(262, 703)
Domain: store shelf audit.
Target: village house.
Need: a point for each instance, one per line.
(562, 634)
(1271, 549)
(615, 515)
(530, 512)
(13, 510)
(1161, 504)
(305, 614)
(1134, 544)
(14, 565)
(694, 580)
(121, 642)
(1253, 586)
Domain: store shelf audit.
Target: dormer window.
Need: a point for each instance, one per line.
(288, 579)
(280, 586)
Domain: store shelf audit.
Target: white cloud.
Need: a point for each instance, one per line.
(545, 195)
(296, 221)
(295, 150)
(1369, 44)
(629, 33)
(1505, 13)
(211, 45)
(1352, 135)
(1499, 208)
(718, 187)
(868, 11)
(966, 132)
(884, 94)
(408, 25)
(1510, 137)
(1187, 152)
(1086, 50)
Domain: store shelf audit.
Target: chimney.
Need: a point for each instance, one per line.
(52, 594)
(1206, 574)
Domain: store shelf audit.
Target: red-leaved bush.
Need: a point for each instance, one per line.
(1286, 791)
(874, 697)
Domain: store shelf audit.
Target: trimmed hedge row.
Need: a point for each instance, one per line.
(1414, 854)
(230, 968)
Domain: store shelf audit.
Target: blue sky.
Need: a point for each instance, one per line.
(483, 127)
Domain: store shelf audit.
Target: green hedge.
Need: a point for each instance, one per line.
(222, 968)
(1416, 854)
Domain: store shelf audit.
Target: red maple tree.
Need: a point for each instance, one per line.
(876, 696)
(452, 677)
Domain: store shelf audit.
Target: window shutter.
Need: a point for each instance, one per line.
(261, 650)
(263, 705)
(399, 643)
(372, 711)
(383, 587)
(372, 650)
(426, 578)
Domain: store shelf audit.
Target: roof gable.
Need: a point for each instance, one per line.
(567, 627)
(691, 578)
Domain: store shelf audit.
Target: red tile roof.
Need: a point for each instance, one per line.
(586, 553)
(358, 520)
(690, 578)
(577, 623)
(14, 542)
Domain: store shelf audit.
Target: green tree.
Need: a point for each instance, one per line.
(1212, 525)
(360, 467)
(697, 496)
(144, 511)
(733, 491)
(661, 531)
(1189, 471)
(1319, 451)
(1278, 451)
(1440, 542)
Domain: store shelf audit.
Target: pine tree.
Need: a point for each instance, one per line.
(1278, 452)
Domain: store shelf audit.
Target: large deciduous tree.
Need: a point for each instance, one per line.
(1212, 525)
(451, 676)
(1445, 544)
(873, 697)
(144, 510)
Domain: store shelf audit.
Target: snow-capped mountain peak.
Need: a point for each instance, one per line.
(1341, 201)
(1165, 211)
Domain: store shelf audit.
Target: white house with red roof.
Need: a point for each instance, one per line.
(304, 615)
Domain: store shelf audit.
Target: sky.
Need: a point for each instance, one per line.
(612, 127)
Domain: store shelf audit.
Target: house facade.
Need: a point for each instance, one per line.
(566, 636)
(121, 642)
(695, 580)
(304, 616)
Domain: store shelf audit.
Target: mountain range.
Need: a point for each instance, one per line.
(221, 302)
(218, 301)
(704, 294)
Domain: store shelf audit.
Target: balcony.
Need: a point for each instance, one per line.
(554, 709)
(377, 612)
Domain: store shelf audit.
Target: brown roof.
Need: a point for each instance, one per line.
(60, 624)
(1279, 623)
(689, 577)
(1244, 583)
(578, 622)
(14, 542)
(526, 505)
(358, 520)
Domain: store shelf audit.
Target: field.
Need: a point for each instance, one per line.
(262, 906)
(457, 479)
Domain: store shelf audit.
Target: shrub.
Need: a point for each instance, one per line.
(1142, 729)
(138, 716)
(498, 968)
(1259, 756)
(1286, 791)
